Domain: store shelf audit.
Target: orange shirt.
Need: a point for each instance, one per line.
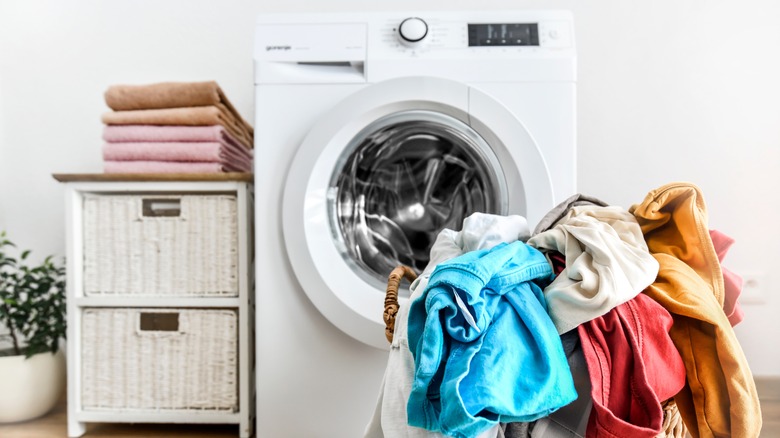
(719, 398)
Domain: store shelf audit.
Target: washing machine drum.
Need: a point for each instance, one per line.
(406, 177)
(376, 180)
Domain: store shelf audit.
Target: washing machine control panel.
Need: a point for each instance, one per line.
(421, 35)
(488, 46)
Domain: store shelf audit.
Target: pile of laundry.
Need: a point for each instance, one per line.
(603, 322)
(174, 127)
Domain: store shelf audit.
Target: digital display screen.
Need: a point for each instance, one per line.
(508, 34)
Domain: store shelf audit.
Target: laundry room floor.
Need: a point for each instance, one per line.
(54, 424)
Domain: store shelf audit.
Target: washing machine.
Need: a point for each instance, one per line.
(374, 131)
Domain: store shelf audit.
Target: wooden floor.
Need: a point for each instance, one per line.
(769, 394)
(53, 425)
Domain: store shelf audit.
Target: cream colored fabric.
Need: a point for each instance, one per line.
(607, 263)
(559, 211)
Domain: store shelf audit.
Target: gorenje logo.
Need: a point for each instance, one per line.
(282, 48)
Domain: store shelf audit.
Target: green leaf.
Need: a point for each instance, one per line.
(32, 300)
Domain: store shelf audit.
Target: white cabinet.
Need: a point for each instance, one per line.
(160, 299)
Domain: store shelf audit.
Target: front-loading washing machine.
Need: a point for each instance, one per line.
(373, 132)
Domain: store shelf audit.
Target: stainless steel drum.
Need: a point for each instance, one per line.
(402, 180)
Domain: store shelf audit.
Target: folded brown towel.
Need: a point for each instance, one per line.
(189, 116)
(170, 95)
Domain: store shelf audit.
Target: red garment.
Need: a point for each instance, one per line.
(558, 262)
(732, 282)
(633, 366)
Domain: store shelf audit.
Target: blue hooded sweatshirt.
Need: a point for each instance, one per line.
(484, 347)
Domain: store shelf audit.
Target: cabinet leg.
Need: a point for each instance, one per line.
(245, 427)
(76, 428)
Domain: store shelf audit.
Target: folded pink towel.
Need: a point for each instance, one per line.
(167, 133)
(194, 151)
(166, 167)
(189, 116)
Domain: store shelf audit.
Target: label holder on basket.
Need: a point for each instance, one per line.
(158, 323)
(161, 207)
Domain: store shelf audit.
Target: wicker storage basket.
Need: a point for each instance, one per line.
(160, 245)
(159, 359)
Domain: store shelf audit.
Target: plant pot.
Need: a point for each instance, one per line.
(30, 387)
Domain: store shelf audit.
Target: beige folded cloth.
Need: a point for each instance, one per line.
(170, 95)
(188, 116)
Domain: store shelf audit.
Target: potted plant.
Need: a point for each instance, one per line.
(32, 321)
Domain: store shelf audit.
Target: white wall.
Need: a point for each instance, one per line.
(668, 90)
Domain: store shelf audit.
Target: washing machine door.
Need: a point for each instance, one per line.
(380, 175)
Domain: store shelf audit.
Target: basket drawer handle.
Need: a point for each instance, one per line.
(161, 207)
(159, 322)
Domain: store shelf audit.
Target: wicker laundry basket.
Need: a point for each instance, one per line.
(151, 245)
(391, 297)
(673, 426)
(159, 359)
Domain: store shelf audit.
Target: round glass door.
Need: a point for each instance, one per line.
(400, 181)
(380, 174)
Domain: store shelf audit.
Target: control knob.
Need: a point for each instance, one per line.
(412, 31)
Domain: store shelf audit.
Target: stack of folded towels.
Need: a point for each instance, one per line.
(174, 127)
